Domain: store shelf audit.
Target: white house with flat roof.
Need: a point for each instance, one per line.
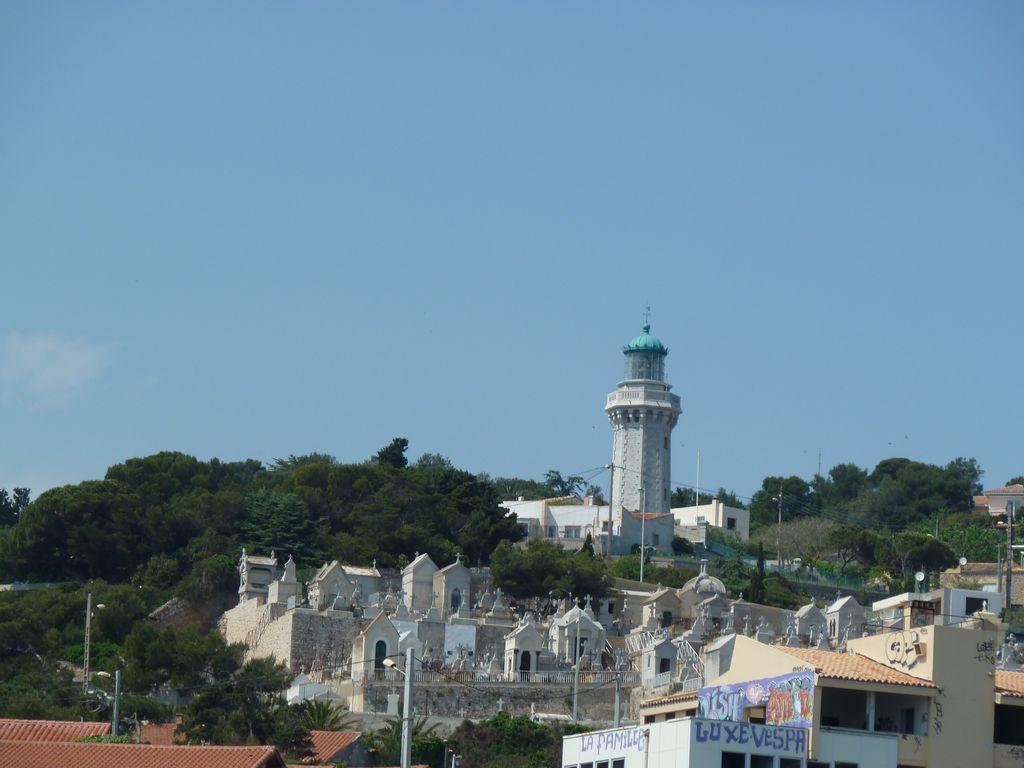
(716, 514)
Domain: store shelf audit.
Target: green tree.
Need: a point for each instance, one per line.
(387, 741)
(321, 715)
(683, 497)
(757, 592)
(240, 709)
(512, 488)
(542, 567)
(282, 522)
(184, 659)
(558, 485)
(852, 544)
(293, 462)
(12, 505)
(797, 500)
(393, 454)
(510, 741)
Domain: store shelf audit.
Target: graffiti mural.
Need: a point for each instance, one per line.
(790, 740)
(787, 700)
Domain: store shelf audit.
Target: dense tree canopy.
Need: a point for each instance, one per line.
(169, 517)
(542, 567)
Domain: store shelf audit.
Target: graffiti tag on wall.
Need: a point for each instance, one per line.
(780, 739)
(901, 648)
(787, 699)
(629, 740)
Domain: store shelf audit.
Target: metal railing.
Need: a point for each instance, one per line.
(558, 677)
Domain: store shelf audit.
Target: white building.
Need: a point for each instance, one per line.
(642, 411)
(565, 521)
(716, 514)
(699, 743)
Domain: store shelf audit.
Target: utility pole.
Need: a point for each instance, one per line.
(611, 504)
(576, 671)
(778, 531)
(618, 688)
(696, 488)
(406, 757)
(88, 627)
(1010, 505)
(116, 719)
(643, 539)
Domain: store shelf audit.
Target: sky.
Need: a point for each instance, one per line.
(250, 230)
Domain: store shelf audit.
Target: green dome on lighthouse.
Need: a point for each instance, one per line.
(645, 342)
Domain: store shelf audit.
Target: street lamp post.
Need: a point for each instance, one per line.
(576, 670)
(88, 638)
(643, 521)
(778, 532)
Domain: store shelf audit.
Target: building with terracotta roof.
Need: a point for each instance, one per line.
(993, 502)
(340, 747)
(50, 730)
(160, 733)
(57, 754)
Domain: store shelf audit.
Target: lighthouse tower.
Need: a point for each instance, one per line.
(642, 411)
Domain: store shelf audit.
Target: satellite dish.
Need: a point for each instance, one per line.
(919, 576)
(963, 561)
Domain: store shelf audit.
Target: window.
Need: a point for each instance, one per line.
(603, 764)
(762, 761)
(552, 532)
(620, 763)
(730, 523)
(733, 760)
(846, 765)
(572, 532)
(666, 442)
(655, 539)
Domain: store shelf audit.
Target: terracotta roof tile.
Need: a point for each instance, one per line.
(1007, 489)
(852, 666)
(1010, 682)
(671, 698)
(160, 733)
(49, 730)
(326, 744)
(40, 754)
(649, 515)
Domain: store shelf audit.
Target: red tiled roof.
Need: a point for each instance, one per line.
(671, 698)
(56, 754)
(49, 730)
(326, 744)
(1010, 682)
(1016, 488)
(160, 733)
(649, 515)
(852, 666)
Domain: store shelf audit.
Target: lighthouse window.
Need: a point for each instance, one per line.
(666, 442)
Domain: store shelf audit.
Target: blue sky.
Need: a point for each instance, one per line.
(248, 230)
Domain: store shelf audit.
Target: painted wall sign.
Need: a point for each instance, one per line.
(787, 699)
(792, 741)
(628, 740)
